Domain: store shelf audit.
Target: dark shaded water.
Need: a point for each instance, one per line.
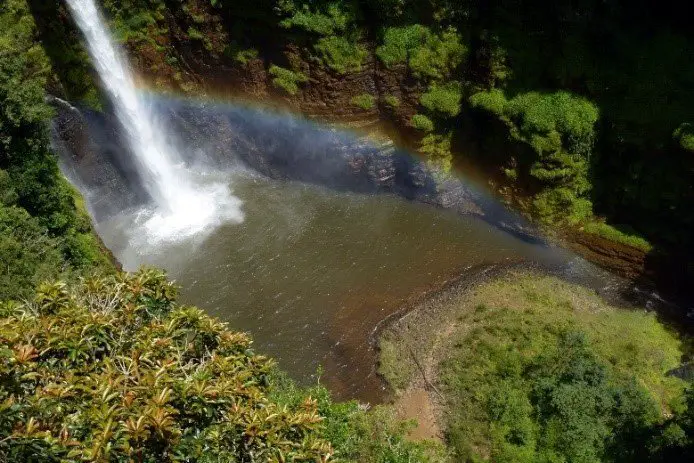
(311, 271)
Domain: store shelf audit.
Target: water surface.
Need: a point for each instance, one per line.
(311, 272)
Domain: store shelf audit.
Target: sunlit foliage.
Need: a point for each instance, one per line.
(113, 369)
(364, 101)
(544, 371)
(444, 100)
(287, 79)
(421, 122)
(43, 232)
(429, 55)
(559, 128)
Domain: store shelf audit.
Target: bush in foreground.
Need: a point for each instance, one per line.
(113, 370)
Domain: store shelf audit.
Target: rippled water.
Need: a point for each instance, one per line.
(310, 273)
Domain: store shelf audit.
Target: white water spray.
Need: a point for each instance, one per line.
(182, 206)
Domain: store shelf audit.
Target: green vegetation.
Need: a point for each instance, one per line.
(112, 369)
(428, 55)
(241, 55)
(535, 369)
(392, 101)
(358, 436)
(334, 25)
(364, 101)
(559, 129)
(421, 122)
(437, 148)
(684, 134)
(627, 237)
(42, 232)
(443, 100)
(286, 79)
(341, 55)
(328, 19)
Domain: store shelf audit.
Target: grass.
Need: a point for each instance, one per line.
(612, 233)
(653, 349)
(506, 323)
(421, 122)
(341, 54)
(392, 101)
(364, 101)
(517, 320)
(287, 79)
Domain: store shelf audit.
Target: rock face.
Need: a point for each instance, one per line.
(327, 95)
(92, 156)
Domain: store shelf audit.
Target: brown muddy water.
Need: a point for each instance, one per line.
(311, 273)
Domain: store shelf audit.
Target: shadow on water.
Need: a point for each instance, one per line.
(328, 249)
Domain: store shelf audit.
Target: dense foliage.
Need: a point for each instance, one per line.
(529, 368)
(42, 231)
(112, 369)
(428, 55)
(537, 377)
(559, 129)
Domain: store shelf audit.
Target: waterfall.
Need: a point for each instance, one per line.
(181, 207)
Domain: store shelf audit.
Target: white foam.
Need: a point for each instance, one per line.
(181, 208)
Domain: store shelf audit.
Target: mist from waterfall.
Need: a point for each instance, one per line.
(184, 204)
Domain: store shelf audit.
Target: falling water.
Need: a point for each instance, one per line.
(182, 206)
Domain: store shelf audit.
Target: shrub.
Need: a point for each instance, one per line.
(559, 129)
(443, 99)
(240, 55)
(286, 79)
(114, 370)
(195, 34)
(684, 135)
(421, 122)
(332, 19)
(437, 149)
(392, 101)
(340, 54)
(428, 55)
(561, 204)
(364, 101)
(493, 101)
(335, 25)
